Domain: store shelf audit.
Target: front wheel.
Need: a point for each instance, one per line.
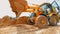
(41, 21)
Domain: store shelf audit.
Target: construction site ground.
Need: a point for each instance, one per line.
(19, 30)
(8, 26)
(29, 29)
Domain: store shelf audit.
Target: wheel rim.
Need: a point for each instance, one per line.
(54, 20)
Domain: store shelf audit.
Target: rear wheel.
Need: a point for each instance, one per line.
(41, 21)
(53, 20)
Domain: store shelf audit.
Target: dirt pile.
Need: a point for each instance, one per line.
(22, 20)
(7, 21)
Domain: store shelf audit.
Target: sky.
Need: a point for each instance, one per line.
(58, 1)
(30, 2)
(5, 8)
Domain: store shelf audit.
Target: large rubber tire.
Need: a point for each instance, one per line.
(53, 20)
(41, 21)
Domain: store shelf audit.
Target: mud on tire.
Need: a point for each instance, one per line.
(53, 20)
(41, 21)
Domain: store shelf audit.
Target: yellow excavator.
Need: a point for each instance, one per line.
(41, 15)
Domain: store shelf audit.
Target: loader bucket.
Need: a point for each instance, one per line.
(18, 6)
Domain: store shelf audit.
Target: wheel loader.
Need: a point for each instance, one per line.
(41, 15)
